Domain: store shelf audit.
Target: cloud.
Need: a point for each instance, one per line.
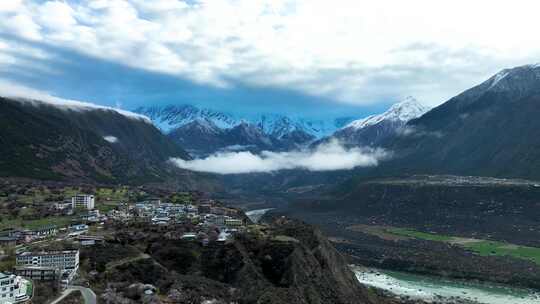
(355, 52)
(29, 95)
(328, 157)
(111, 139)
(413, 131)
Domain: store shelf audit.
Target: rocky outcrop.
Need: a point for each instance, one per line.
(285, 262)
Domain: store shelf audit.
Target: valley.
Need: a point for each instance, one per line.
(469, 229)
(269, 152)
(460, 233)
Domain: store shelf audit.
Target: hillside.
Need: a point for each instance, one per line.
(46, 141)
(489, 130)
(285, 262)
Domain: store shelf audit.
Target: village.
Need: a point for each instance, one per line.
(51, 254)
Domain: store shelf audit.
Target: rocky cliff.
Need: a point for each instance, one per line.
(285, 262)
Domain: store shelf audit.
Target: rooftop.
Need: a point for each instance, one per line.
(48, 252)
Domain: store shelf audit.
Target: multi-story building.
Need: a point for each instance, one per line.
(13, 289)
(233, 223)
(44, 231)
(83, 201)
(38, 273)
(66, 261)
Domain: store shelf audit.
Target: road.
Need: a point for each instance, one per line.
(88, 295)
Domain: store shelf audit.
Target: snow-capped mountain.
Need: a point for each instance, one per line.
(401, 112)
(203, 131)
(491, 129)
(373, 129)
(170, 117)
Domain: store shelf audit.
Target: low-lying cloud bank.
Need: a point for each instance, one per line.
(327, 157)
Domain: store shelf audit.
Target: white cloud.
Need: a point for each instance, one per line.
(25, 94)
(111, 139)
(24, 26)
(327, 157)
(352, 51)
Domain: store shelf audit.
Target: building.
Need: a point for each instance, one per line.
(44, 231)
(89, 240)
(8, 241)
(233, 223)
(78, 227)
(218, 220)
(91, 216)
(66, 261)
(63, 205)
(14, 289)
(83, 201)
(38, 273)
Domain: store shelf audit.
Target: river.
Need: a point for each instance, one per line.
(429, 288)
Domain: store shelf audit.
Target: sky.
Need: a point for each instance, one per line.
(313, 57)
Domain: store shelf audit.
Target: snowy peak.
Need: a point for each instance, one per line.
(519, 79)
(203, 125)
(169, 118)
(402, 112)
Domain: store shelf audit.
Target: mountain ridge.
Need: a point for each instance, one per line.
(374, 129)
(170, 117)
(488, 130)
(53, 141)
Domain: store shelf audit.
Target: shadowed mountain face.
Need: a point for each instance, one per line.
(202, 137)
(39, 140)
(204, 131)
(490, 130)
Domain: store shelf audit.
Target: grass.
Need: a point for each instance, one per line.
(8, 263)
(105, 207)
(487, 248)
(112, 194)
(419, 235)
(181, 198)
(481, 247)
(29, 289)
(59, 221)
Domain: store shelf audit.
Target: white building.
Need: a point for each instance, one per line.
(66, 261)
(83, 201)
(13, 289)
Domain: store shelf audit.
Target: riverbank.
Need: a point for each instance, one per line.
(438, 290)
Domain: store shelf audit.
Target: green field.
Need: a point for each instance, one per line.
(110, 194)
(481, 247)
(418, 234)
(59, 221)
(487, 248)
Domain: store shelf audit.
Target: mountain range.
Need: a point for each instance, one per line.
(491, 129)
(45, 140)
(203, 131)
